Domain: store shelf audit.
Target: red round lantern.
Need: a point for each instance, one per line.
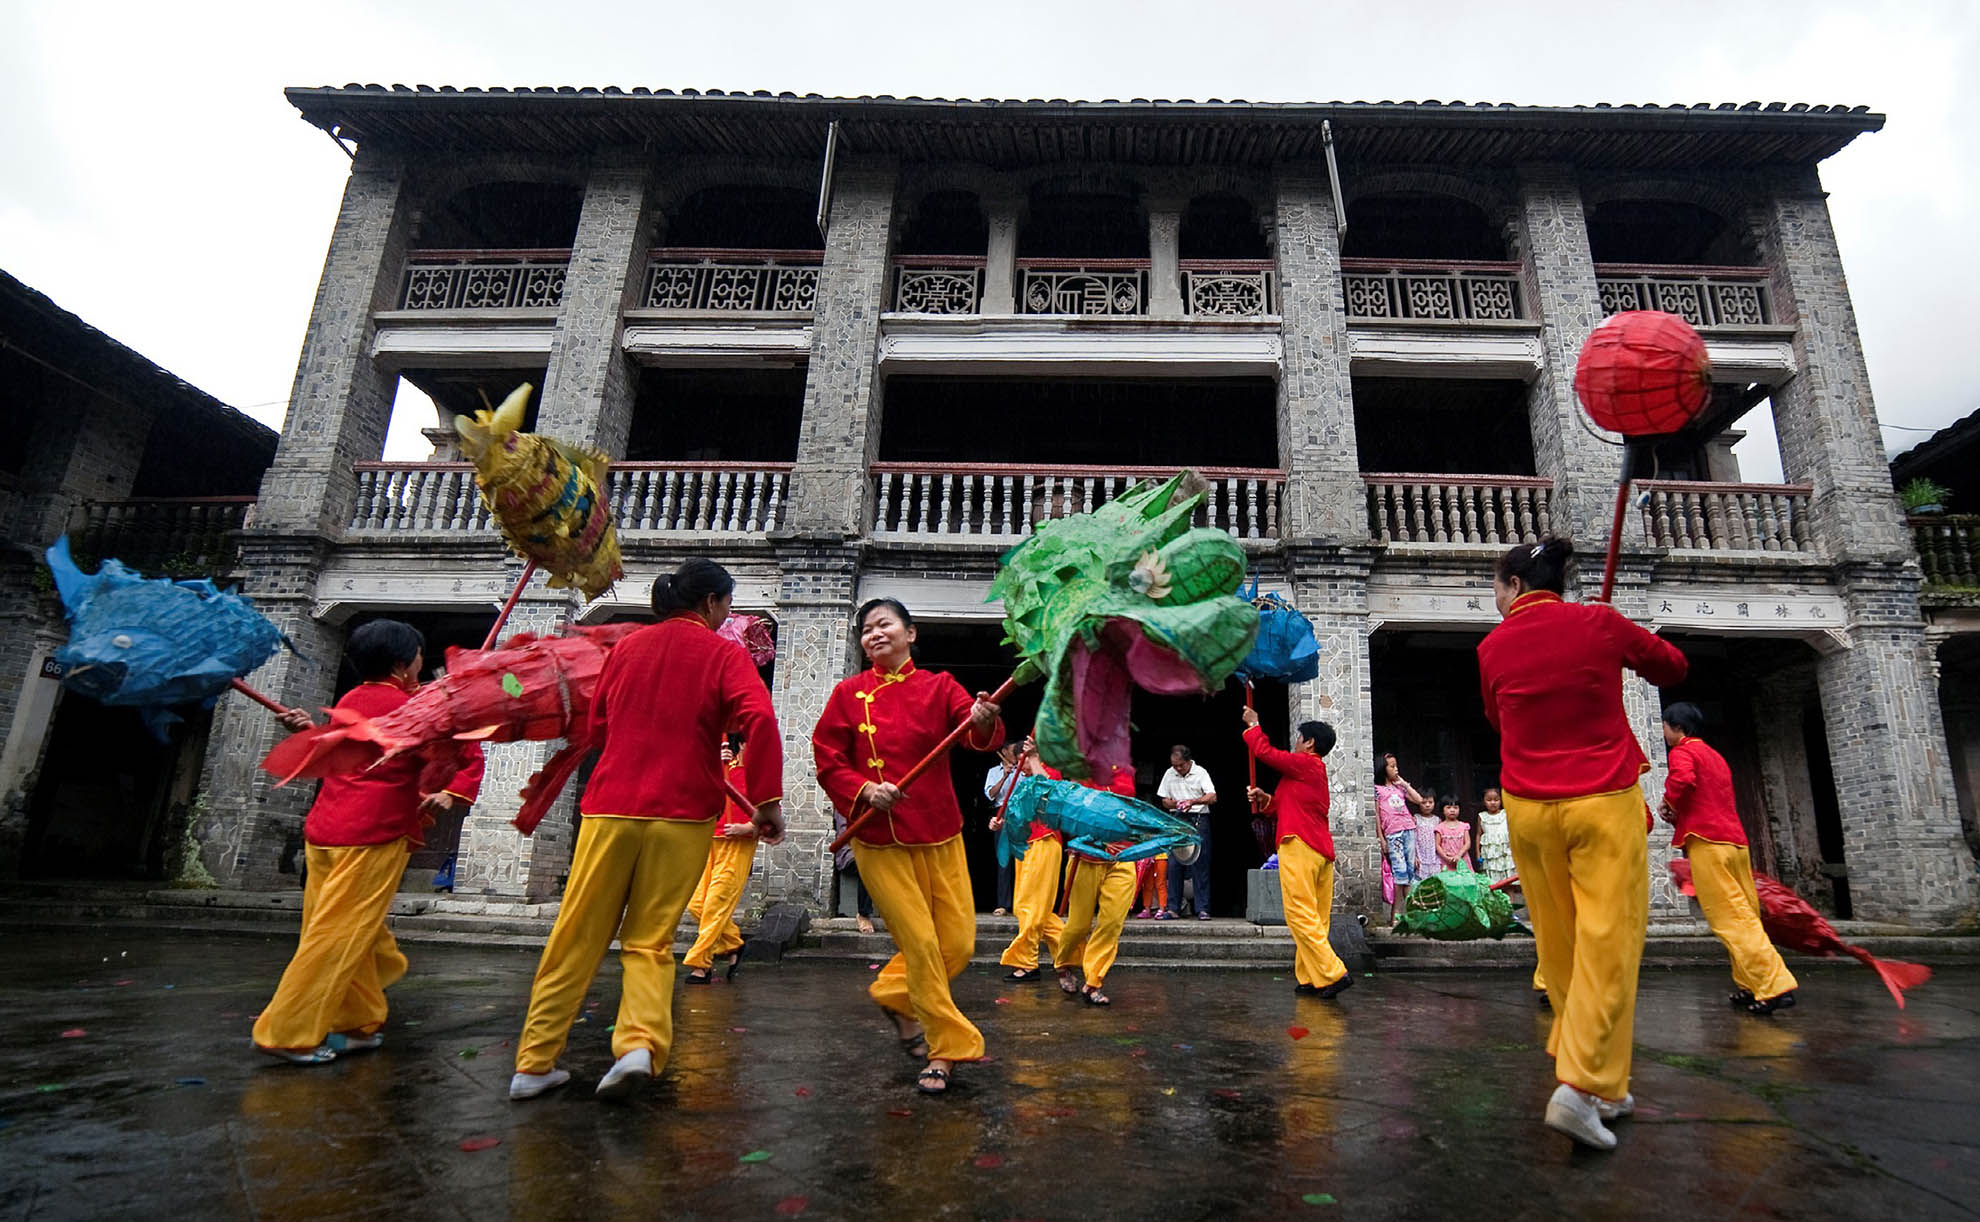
(1643, 373)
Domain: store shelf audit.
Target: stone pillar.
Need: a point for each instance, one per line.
(1902, 842)
(1165, 258)
(1554, 236)
(1332, 588)
(1780, 700)
(1000, 264)
(1325, 501)
(841, 430)
(814, 651)
(589, 391)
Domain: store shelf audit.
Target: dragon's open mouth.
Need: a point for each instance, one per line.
(1104, 676)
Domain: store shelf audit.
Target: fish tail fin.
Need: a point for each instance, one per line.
(1896, 974)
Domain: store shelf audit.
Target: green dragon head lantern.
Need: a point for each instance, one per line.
(1127, 596)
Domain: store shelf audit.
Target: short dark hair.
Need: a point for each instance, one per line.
(1542, 565)
(684, 588)
(382, 646)
(893, 604)
(1320, 734)
(1685, 717)
(1183, 751)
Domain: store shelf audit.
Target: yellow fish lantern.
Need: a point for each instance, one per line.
(545, 496)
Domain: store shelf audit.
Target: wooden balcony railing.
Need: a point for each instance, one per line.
(678, 497)
(1086, 287)
(1683, 514)
(165, 536)
(1431, 290)
(484, 279)
(939, 284)
(1229, 288)
(1948, 548)
(995, 501)
(1702, 296)
(1485, 510)
(733, 281)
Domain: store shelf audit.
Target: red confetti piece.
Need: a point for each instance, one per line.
(1298, 1033)
(900, 1111)
(872, 967)
(989, 1162)
(738, 1030)
(74, 1033)
(1139, 1052)
(121, 983)
(1227, 1093)
(802, 1092)
(1003, 1001)
(474, 1144)
(1132, 1027)
(1061, 1112)
(791, 1207)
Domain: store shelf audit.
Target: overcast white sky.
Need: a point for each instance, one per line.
(156, 183)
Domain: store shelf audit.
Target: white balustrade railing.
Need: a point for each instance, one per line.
(433, 497)
(484, 280)
(1682, 514)
(1002, 502)
(733, 281)
(1228, 288)
(1088, 287)
(1702, 296)
(938, 284)
(1486, 510)
(1418, 290)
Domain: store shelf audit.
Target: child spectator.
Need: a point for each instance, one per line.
(1453, 836)
(1393, 798)
(1494, 846)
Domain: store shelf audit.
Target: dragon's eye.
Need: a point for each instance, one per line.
(1150, 576)
(121, 640)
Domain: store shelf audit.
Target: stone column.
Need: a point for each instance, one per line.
(1164, 258)
(1779, 703)
(589, 391)
(1332, 588)
(1561, 273)
(841, 430)
(1000, 264)
(1324, 499)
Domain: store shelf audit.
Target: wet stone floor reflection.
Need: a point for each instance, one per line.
(127, 1090)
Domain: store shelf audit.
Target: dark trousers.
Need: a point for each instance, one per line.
(849, 877)
(1006, 878)
(1198, 870)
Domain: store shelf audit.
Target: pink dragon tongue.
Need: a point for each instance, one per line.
(1103, 681)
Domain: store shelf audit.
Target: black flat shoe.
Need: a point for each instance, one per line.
(700, 978)
(735, 961)
(1306, 990)
(1022, 975)
(1784, 1002)
(1739, 999)
(1335, 989)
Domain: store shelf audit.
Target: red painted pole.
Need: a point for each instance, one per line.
(241, 686)
(1251, 761)
(502, 617)
(862, 812)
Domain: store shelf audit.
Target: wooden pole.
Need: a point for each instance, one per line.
(862, 812)
(273, 706)
(502, 617)
(1616, 524)
(1251, 761)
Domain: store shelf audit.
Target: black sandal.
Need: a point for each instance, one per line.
(1092, 996)
(940, 1075)
(1739, 999)
(700, 976)
(916, 1045)
(1023, 975)
(735, 961)
(1784, 1002)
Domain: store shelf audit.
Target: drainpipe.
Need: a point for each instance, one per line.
(1334, 178)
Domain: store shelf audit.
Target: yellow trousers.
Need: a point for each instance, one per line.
(922, 892)
(715, 898)
(632, 877)
(1306, 882)
(1098, 894)
(1585, 868)
(1033, 893)
(345, 958)
(1723, 877)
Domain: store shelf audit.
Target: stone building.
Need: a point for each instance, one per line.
(1358, 320)
(131, 462)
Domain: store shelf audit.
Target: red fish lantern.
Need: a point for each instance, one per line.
(1643, 373)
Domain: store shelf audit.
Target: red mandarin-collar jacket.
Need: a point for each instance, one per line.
(875, 728)
(381, 804)
(1700, 791)
(731, 813)
(1551, 675)
(1302, 799)
(668, 694)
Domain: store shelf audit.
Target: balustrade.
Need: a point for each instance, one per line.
(997, 501)
(1228, 288)
(644, 496)
(169, 536)
(1091, 287)
(1682, 514)
(484, 279)
(733, 281)
(1419, 290)
(1948, 548)
(1486, 510)
(938, 284)
(1702, 296)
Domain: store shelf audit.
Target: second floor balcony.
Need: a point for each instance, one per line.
(732, 282)
(440, 498)
(1001, 503)
(1432, 291)
(177, 537)
(1705, 297)
(484, 280)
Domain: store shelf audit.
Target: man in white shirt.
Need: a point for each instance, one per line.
(1187, 790)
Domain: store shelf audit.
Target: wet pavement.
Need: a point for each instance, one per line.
(126, 1089)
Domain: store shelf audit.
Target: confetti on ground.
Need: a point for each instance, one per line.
(74, 1033)
(1298, 1033)
(1060, 1112)
(49, 1088)
(900, 1111)
(802, 1092)
(170, 986)
(1168, 1090)
(791, 1207)
(989, 1162)
(192, 1081)
(755, 1156)
(1225, 1092)
(1320, 1198)
(1182, 1047)
(473, 1144)
(1003, 1001)
(738, 1030)
(468, 1053)
(121, 983)
(872, 967)
(611, 1027)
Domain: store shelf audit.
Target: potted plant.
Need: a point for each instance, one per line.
(1921, 495)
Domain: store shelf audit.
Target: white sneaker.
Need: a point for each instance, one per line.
(627, 1074)
(1620, 1109)
(1577, 1114)
(530, 1085)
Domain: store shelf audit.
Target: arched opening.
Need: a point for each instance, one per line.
(1421, 225)
(742, 217)
(946, 223)
(1221, 226)
(1084, 225)
(503, 216)
(1662, 231)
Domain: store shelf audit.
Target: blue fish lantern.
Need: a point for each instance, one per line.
(1286, 649)
(1095, 822)
(153, 643)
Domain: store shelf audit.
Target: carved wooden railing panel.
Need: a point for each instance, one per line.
(484, 280)
(1003, 501)
(1699, 516)
(1481, 510)
(733, 281)
(1702, 296)
(1424, 290)
(1085, 287)
(678, 497)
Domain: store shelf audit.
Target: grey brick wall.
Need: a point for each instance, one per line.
(588, 393)
(1324, 498)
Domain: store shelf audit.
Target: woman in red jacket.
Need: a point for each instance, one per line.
(1698, 804)
(667, 695)
(356, 841)
(876, 726)
(1569, 762)
(1306, 849)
